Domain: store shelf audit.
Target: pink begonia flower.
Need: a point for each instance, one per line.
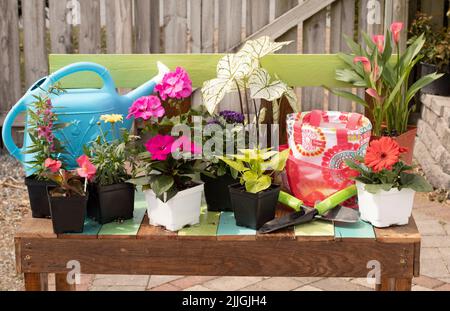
(365, 61)
(87, 169)
(184, 144)
(396, 28)
(52, 165)
(160, 146)
(379, 42)
(175, 84)
(146, 107)
(373, 93)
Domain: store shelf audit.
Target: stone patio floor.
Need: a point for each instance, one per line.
(432, 218)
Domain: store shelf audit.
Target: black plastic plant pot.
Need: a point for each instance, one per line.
(253, 210)
(68, 213)
(441, 86)
(217, 194)
(110, 203)
(37, 192)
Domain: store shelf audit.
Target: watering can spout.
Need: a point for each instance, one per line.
(147, 88)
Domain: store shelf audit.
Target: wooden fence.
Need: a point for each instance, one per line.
(31, 29)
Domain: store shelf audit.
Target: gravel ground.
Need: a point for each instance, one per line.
(13, 207)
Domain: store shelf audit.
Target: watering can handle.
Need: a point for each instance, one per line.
(6, 131)
(108, 82)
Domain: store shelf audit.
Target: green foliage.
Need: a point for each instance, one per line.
(436, 50)
(399, 177)
(255, 167)
(388, 78)
(111, 157)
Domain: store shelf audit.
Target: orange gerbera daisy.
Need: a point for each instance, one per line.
(382, 154)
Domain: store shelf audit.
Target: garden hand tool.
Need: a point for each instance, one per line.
(327, 209)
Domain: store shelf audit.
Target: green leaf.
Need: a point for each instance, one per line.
(415, 182)
(237, 165)
(348, 95)
(375, 188)
(258, 185)
(277, 162)
(161, 184)
(422, 82)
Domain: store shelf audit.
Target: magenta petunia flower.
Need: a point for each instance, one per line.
(175, 84)
(146, 107)
(186, 145)
(160, 146)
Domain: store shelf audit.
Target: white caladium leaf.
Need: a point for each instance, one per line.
(260, 47)
(292, 98)
(234, 67)
(262, 88)
(213, 92)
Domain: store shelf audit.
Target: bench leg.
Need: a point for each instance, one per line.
(393, 284)
(35, 282)
(61, 283)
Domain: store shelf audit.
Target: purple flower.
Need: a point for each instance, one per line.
(232, 117)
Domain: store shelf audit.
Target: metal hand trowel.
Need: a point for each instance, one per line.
(327, 209)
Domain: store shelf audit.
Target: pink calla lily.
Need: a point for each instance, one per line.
(379, 42)
(396, 28)
(373, 93)
(365, 62)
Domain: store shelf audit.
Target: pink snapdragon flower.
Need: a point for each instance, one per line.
(379, 42)
(175, 84)
(146, 107)
(365, 61)
(160, 146)
(396, 28)
(52, 165)
(87, 169)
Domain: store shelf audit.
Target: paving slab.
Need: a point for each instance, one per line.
(231, 283)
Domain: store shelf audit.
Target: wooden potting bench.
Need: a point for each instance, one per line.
(216, 247)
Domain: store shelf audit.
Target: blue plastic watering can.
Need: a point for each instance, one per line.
(81, 108)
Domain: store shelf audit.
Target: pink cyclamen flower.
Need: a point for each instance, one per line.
(160, 146)
(87, 169)
(52, 165)
(146, 107)
(175, 84)
(379, 42)
(365, 61)
(396, 28)
(186, 145)
(373, 93)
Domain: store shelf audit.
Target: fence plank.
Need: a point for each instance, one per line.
(147, 30)
(258, 15)
(60, 29)
(342, 23)
(397, 10)
(35, 50)
(90, 27)
(121, 26)
(110, 16)
(10, 87)
(175, 26)
(281, 7)
(230, 24)
(314, 37)
(202, 29)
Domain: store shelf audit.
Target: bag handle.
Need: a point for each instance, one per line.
(353, 121)
(315, 118)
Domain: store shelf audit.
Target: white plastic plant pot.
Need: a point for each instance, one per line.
(182, 210)
(385, 208)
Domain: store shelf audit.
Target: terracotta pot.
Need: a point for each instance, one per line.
(406, 140)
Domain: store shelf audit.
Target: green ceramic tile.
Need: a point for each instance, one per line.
(227, 226)
(315, 228)
(209, 222)
(131, 226)
(360, 229)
